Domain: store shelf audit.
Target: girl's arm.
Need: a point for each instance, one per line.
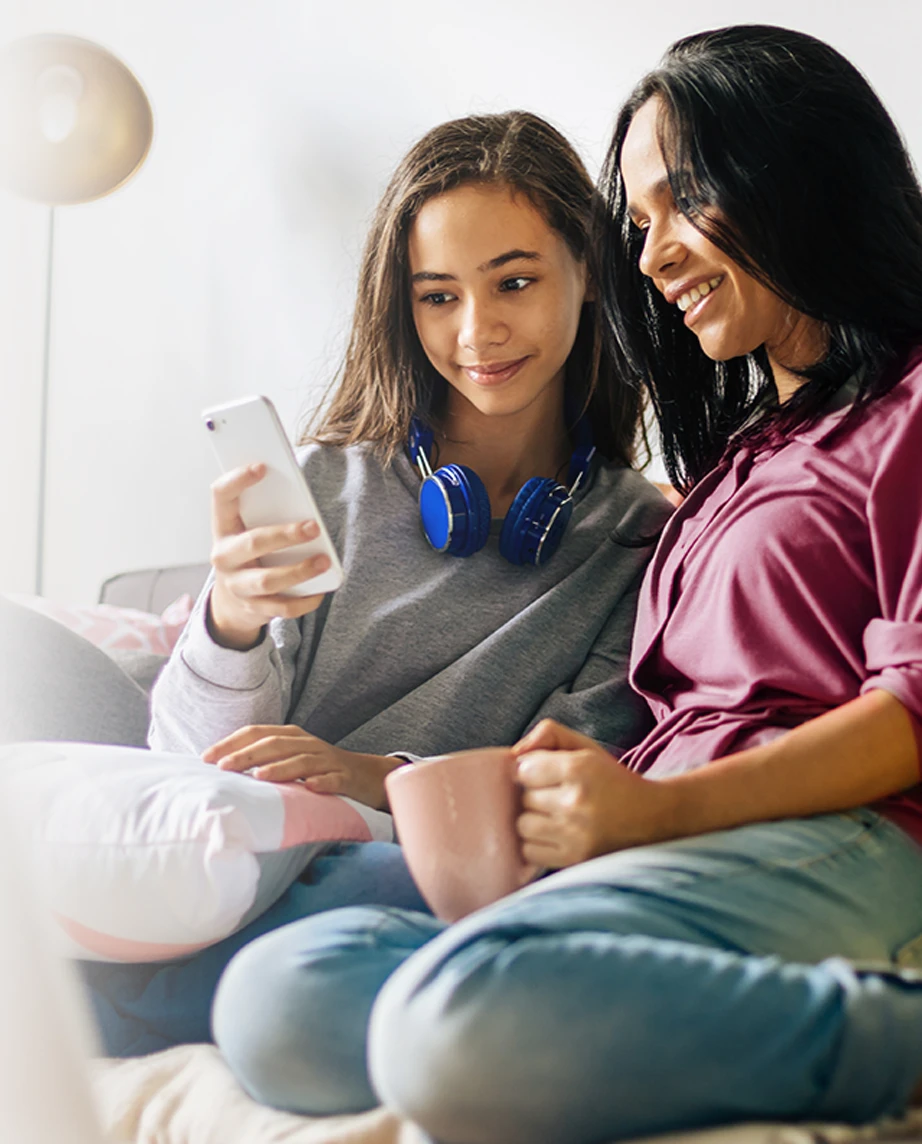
(599, 700)
(206, 691)
(580, 802)
(234, 664)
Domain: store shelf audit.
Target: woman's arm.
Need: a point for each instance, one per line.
(858, 753)
(580, 802)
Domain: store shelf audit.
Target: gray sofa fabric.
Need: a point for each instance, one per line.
(151, 589)
(54, 684)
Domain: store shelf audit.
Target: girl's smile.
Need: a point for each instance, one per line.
(494, 373)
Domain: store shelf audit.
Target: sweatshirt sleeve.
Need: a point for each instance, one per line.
(893, 640)
(600, 702)
(206, 691)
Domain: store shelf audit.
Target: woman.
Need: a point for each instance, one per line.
(475, 332)
(693, 971)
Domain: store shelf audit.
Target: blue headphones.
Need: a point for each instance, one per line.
(455, 509)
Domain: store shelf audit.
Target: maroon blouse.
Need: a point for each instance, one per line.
(788, 583)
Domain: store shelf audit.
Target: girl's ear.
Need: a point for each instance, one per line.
(592, 294)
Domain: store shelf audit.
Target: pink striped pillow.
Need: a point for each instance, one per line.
(121, 629)
(152, 856)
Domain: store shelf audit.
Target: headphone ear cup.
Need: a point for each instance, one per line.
(535, 522)
(455, 510)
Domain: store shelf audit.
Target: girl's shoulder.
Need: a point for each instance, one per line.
(316, 458)
(636, 509)
(355, 472)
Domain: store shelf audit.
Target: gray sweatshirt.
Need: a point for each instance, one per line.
(424, 653)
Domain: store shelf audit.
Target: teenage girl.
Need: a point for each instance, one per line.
(698, 958)
(476, 355)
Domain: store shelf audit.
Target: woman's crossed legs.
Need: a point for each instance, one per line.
(656, 989)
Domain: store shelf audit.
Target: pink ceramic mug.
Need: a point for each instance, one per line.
(455, 817)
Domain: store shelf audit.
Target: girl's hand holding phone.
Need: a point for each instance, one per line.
(580, 802)
(285, 754)
(246, 595)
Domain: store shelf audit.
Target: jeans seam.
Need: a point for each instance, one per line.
(753, 864)
(855, 841)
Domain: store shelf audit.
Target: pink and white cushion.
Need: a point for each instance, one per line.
(117, 629)
(152, 856)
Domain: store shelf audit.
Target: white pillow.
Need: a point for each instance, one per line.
(151, 856)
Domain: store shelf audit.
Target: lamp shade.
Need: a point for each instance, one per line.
(74, 121)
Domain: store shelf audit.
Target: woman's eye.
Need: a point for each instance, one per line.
(437, 298)
(515, 284)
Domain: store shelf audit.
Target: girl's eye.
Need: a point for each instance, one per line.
(437, 298)
(515, 284)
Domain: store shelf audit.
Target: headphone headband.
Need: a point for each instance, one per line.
(455, 509)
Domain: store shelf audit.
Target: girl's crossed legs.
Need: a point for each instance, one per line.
(614, 999)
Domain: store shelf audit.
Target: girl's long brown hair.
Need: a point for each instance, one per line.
(386, 377)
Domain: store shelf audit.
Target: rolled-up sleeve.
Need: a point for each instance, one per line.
(893, 640)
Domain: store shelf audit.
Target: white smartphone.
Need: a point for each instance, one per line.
(247, 432)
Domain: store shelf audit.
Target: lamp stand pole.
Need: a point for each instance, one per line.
(43, 417)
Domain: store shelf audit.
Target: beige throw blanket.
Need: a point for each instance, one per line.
(187, 1095)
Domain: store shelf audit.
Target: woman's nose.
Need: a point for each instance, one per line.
(662, 251)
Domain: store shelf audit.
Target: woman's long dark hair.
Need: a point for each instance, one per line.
(386, 377)
(779, 152)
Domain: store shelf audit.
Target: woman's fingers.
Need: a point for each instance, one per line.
(540, 840)
(543, 768)
(533, 827)
(546, 856)
(549, 735)
(547, 800)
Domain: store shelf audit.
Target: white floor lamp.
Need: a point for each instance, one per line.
(75, 125)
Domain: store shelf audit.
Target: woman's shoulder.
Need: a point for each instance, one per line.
(897, 414)
(636, 509)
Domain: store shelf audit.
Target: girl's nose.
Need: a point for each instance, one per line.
(482, 326)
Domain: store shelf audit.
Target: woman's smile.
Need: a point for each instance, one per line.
(691, 300)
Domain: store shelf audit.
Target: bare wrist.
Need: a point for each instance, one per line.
(229, 635)
(383, 765)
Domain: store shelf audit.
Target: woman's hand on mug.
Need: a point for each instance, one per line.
(286, 754)
(245, 595)
(579, 801)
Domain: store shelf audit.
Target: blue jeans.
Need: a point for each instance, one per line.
(143, 1008)
(661, 988)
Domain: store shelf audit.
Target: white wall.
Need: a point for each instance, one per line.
(226, 266)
